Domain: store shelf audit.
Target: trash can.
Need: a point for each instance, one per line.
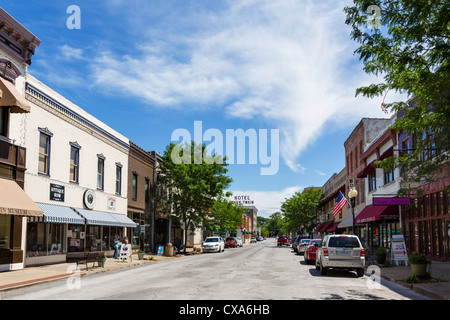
(168, 250)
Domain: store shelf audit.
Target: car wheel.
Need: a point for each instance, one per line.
(323, 270)
(317, 266)
(360, 272)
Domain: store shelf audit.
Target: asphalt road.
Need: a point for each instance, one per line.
(261, 271)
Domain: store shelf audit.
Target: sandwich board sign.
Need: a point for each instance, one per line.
(398, 252)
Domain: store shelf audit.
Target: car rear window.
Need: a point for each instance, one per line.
(316, 242)
(349, 242)
(229, 239)
(212, 240)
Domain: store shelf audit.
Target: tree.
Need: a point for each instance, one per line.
(194, 185)
(411, 50)
(225, 215)
(300, 210)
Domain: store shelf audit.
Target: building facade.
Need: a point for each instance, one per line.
(328, 223)
(17, 46)
(141, 167)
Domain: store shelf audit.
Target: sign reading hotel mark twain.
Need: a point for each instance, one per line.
(244, 200)
(57, 192)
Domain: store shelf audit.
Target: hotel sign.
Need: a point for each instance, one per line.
(396, 201)
(244, 200)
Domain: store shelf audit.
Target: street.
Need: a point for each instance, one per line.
(260, 271)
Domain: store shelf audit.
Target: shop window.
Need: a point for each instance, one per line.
(5, 231)
(93, 239)
(76, 237)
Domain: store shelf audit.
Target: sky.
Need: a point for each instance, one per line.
(149, 67)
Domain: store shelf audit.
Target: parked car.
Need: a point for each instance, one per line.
(259, 238)
(283, 241)
(340, 252)
(310, 251)
(303, 243)
(253, 240)
(239, 241)
(295, 243)
(230, 243)
(213, 244)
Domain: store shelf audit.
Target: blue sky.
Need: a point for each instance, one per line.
(147, 68)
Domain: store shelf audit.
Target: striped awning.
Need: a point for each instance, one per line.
(57, 214)
(124, 220)
(102, 218)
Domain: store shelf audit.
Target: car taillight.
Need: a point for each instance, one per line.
(325, 252)
(363, 254)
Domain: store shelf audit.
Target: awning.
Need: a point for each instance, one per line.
(347, 222)
(124, 220)
(374, 213)
(57, 214)
(10, 97)
(332, 227)
(14, 201)
(324, 226)
(368, 169)
(101, 218)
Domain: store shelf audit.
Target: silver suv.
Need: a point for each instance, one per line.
(340, 252)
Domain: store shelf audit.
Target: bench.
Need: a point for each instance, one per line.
(91, 257)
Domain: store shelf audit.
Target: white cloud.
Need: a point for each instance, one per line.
(268, 202)
(289, 63)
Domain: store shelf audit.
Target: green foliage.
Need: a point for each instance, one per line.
(411, 52)
(225, 215)
(301, 210)
(190, 189)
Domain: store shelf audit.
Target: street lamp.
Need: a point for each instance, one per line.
(352, 194)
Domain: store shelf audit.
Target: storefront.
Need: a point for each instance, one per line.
(15, 204)
(377, 225)
(65, 231)
(427, 224)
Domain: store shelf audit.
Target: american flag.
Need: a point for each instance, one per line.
(340, 203)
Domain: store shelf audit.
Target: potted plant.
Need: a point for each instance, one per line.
(380, 255)
(102, 260)
(140, 255)
(419, 263)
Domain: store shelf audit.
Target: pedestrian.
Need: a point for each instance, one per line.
(116, 247)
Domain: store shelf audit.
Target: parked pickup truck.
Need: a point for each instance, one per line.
(283, 241)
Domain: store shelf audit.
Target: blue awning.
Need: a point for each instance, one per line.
(124, 220)
(57, 214)
(102, 218)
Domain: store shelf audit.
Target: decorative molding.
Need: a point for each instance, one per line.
(49, 104)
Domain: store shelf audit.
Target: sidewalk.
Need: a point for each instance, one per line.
(39, 274)
(434, 290)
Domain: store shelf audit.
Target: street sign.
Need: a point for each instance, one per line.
(398, 252)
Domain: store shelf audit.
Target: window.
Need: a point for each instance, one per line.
(372, 180)
(100, 172)
(147, 190)
(74, 162)
(134, 186)
(118, 178)
(44, 153)
(388, 176)
(4, 114)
